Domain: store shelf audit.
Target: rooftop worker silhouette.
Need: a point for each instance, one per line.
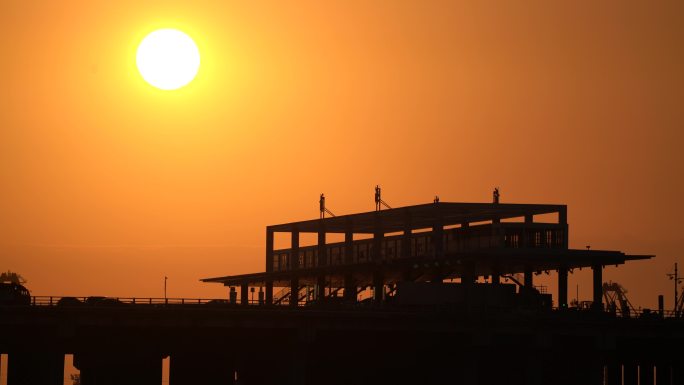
(496, 195)
(436, 198)
(321, 204)
(377, 198)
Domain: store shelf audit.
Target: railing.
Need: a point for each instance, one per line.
(47, 301)
(421, 244)
(109, 301)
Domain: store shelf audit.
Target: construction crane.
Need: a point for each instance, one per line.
(616, 298)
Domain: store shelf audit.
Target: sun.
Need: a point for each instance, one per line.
(168, 59)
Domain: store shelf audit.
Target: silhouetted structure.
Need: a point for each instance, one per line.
(426, 243)
(427, 321)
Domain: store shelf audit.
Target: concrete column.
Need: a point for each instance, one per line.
(294, 250)
(630, 375)
(269, 250)
(200, 368)
(533, 369)
(563, 220)
(496, 276)
(349, 287)
(349, 284)
(528, 280)
(349, 247)
(244, 294)
(35, 368)
(294, 292)
(320, 285)
(269, 292)
(406, 239)
(678, 371)
(598, 287)
(376, 255)
(663, 373)
(322, 249)
(646, 373)
(563, 288)
(468, 273)
(529, 219)
(130, 368)
(614, 373)
(438, 239)
(378, 287)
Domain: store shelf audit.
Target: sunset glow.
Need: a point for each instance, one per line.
(111, 184)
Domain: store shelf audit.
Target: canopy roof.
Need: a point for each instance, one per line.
(506, 261)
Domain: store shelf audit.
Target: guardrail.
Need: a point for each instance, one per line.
(56, 300)
(644, 313)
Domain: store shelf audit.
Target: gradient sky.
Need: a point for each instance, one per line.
(107, 184)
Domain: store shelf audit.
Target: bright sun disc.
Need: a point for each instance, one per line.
(168, 59)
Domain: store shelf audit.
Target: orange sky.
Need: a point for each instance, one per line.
(107, 185)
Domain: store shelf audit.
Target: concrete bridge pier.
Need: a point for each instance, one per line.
(646, 373)
(35, 368)
(678, 371)
(663, 372)
(614, 372)
(202, 368)
(630, 373)
(119, 368)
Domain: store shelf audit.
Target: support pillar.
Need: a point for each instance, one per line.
(533, 369)
(438, 239)
(598, 287)
(630, 374)
(646, 373)
(563, 288)
(528, 280)
(320, 286)
(663, 373)
(563, 220)
(406, 240)
(378, 287)
(349, 284)
(269, 266)
(269, 292)
(496, 276)
(322, 249)
(294, 292)
(244, 294)
(678, 371)
(349, 288)
(348, 247)
(269, 250)
(376, 253)
(294, 250)
(35, 368)
(614, 373)
(468, 273)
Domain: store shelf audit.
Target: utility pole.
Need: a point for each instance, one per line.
(165, 278)
(677, 280)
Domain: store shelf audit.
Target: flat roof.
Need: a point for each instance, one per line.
(417, 217)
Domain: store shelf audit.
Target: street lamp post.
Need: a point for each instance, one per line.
(165, 278)
(677, 280)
